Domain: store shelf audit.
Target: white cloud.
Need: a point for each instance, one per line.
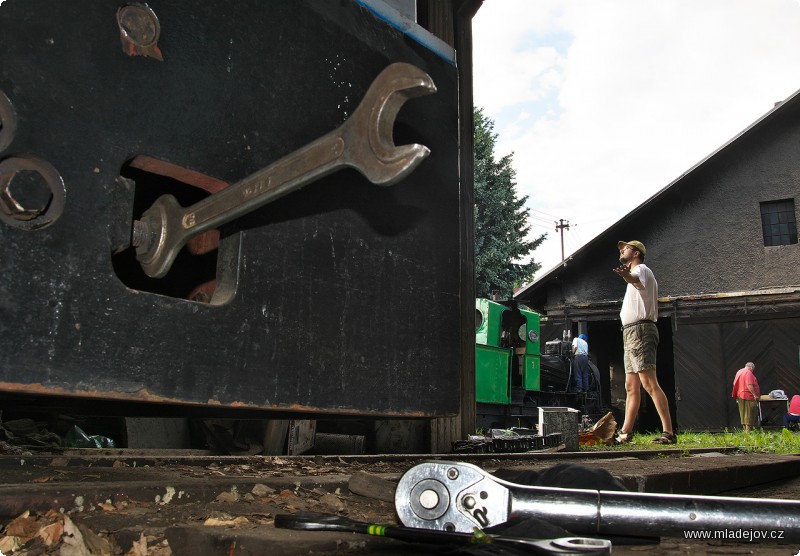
(605, 103)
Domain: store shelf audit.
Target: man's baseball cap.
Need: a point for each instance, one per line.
(638, 245)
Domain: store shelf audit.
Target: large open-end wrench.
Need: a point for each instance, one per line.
(575, 546)
(449, 496)
(363, 142)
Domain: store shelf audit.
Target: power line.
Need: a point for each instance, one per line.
(543, 220)
(550, 216)
(547, 227)
(574, 242)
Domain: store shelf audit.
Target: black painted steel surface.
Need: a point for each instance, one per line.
(340, 298)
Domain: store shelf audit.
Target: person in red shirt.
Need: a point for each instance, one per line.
(792, 418)
(747, 394)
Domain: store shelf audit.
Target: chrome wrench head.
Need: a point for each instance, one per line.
(449, 496)
(460, 497)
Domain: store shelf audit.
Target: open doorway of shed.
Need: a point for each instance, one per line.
(605, 349)
(605, 342)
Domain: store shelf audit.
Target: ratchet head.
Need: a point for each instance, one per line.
(450, 496)
(368, 132)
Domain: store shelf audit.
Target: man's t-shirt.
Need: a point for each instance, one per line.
(640, 304)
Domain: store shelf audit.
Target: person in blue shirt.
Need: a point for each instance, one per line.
(580, 363)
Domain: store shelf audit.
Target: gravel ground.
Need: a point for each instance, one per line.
(118, 503)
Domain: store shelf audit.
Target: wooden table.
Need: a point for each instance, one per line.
(771, 412)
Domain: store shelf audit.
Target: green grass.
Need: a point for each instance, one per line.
(759, 441)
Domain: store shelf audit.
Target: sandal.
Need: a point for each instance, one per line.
(624, 438)
(666, 438)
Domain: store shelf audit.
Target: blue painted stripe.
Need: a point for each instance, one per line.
(411, 29)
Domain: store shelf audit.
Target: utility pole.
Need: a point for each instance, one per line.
(560, 226)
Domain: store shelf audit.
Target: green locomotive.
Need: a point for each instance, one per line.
(515, 375)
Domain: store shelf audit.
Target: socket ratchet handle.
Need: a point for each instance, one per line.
(451, 496)
(364, 142)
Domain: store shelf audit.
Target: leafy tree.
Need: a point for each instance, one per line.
(501, 219)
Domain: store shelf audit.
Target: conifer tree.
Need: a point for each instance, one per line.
(501, 219)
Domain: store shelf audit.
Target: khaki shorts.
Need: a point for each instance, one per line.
(640, 343)
(748, 412)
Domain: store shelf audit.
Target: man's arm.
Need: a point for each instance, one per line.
(752, 391)
(624, 272)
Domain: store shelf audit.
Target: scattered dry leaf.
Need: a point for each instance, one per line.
(9, 544)
(94, 542)
(332, 501)
(228, 497)
(74, 544)
(24, 527)
(138, 548)
(51, 534)
(217, 522)
(262, 490)
(161, 549)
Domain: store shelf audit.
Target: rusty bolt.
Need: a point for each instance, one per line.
(36, 199)
(32, 192)
(139, 30)
(142, 234)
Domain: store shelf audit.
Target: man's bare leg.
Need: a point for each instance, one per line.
(651, 386)
(633, 397)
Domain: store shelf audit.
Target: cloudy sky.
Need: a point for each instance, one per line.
(605, 102)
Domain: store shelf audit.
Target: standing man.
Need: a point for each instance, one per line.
(747, 394)
(580, 349)
(640, 339)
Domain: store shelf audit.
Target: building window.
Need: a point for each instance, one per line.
(778, 222)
